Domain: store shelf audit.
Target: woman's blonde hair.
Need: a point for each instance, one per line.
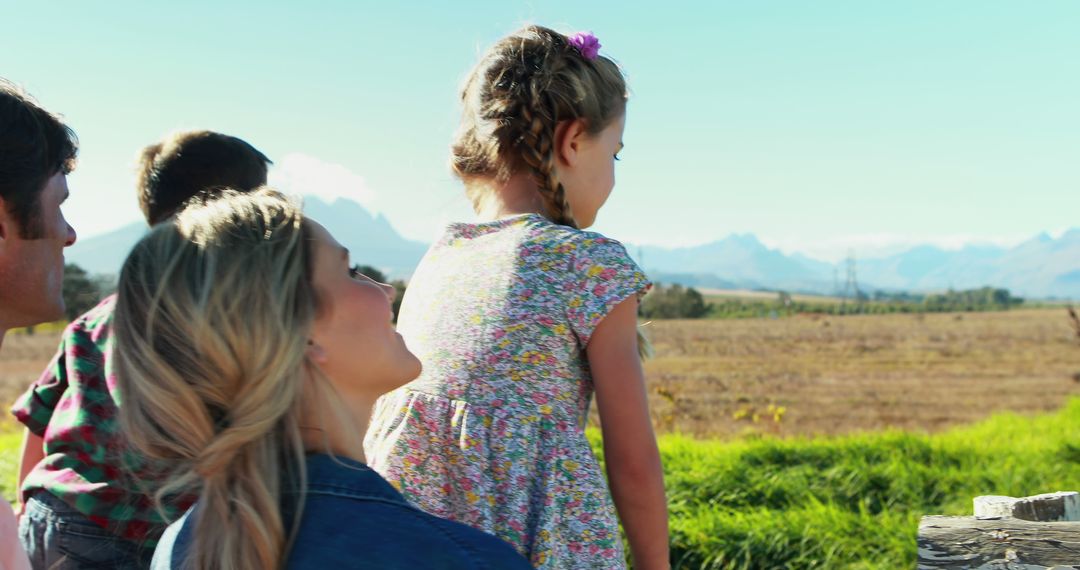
(212, 319)
(514, 99)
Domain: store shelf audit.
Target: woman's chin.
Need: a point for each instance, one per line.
(409, 371)
(415, 370)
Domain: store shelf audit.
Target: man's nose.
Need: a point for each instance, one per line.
(70, 239)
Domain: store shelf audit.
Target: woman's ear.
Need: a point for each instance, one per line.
(316, 353)
(568, 138)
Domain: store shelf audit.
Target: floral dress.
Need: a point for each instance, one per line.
(492, 432)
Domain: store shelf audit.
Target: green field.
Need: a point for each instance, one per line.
(849, 502)
(10, 440)
(854, 501)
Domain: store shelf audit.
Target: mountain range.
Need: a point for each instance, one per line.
(370, 238)
(1041, 267)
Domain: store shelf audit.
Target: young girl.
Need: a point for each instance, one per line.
(249, 356)
(519, 318)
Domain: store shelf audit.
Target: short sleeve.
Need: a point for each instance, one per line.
(602, 275)
(35, 407)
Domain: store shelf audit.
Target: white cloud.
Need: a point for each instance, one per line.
(306, 175)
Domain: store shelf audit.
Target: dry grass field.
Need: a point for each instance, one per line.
(713, 295)
(813, 375)
(22, 358)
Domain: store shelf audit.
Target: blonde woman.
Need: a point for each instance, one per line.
(249, 355)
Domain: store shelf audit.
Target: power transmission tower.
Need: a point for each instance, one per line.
(851, 287)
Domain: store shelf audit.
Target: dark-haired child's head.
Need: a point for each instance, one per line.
(193, 163)
(515, 101)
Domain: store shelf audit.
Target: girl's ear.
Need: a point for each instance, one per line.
(568, 138)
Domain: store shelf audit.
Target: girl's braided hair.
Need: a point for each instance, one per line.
(514, 99)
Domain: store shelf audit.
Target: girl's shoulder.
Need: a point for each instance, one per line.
(595, 273)
(538, 246)
(564, 241)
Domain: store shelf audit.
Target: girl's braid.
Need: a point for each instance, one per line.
(539, 117)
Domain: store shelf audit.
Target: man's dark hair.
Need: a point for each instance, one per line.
(34, 146)
(194, 163)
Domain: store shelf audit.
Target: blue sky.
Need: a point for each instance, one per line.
(818, 126)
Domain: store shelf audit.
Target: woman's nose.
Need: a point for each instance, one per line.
(389, 290)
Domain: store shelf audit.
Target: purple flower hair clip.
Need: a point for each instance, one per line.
(586, 43)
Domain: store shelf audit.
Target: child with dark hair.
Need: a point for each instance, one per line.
(194, 161)
(80, 507)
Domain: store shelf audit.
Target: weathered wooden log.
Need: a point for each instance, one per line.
(1049, 507)
(967, 543)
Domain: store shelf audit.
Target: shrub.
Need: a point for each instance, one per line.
(673, 302)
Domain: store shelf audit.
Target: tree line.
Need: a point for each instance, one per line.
(678, 302)
(82, 291)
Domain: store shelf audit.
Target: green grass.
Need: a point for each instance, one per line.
(10, 442)
(55, 326)
(852, 502)
(839, 503)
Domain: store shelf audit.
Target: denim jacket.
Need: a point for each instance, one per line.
(353, 518)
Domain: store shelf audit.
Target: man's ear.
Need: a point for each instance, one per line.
(7, 227)
(568, 138)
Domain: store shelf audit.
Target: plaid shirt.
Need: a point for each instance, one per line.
(73, 407)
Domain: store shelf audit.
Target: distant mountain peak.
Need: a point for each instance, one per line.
(1041, 237)
(341, 205)
(370, 237)
(924, 249)
(745, 240)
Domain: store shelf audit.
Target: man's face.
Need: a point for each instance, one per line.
(32, 270)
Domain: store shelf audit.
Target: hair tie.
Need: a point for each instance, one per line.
(586, 44)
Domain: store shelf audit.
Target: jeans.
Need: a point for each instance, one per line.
(58, 537)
